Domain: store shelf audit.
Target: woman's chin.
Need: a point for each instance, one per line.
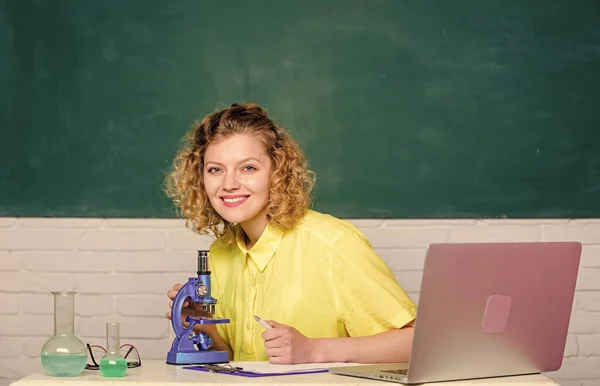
(233, 218)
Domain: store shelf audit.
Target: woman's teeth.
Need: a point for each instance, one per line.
(234, 199)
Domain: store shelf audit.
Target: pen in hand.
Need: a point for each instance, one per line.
(262, 322)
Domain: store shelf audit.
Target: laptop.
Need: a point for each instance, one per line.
(487, 310)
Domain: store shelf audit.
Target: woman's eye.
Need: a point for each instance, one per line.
(213, 170)
(249, 168)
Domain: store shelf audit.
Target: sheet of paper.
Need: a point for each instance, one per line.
(266, 367)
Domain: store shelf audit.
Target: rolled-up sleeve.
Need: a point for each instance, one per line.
(370, 298)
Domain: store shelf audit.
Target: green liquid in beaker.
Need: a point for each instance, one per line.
(113, 367)
(64, 365)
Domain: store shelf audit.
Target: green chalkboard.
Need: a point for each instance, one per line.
(406, 109)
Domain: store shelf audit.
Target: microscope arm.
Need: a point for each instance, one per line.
(187, 290)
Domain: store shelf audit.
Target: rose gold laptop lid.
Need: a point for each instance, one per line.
(488, 310)
(493, 309)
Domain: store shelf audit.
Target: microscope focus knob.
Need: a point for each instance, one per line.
(202, 290)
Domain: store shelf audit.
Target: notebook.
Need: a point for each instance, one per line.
(266, 369)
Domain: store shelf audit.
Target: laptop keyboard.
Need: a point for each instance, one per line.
(396, 371)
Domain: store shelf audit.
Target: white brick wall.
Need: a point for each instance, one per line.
(122, 268)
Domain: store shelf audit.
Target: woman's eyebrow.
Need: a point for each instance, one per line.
(250, 159)
(239, 162)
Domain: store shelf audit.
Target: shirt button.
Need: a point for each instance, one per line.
(252, 282)
(247, 326)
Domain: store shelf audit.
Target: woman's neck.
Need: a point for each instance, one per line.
(254, 228)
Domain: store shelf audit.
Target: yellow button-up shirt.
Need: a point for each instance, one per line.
(321, 277)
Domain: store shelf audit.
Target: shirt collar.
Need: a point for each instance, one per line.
(263, 251)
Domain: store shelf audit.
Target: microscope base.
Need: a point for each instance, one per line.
(197, 357)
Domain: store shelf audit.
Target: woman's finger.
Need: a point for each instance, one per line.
(274, 352)
(273, 333)
(275, 324)
(275, 342)
(280, 361)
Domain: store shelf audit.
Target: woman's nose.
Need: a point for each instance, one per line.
(231, 181)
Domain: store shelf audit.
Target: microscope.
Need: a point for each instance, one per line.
(189, 347)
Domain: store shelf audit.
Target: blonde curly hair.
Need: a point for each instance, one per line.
(291, 181)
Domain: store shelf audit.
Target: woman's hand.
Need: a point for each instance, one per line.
(286, 345)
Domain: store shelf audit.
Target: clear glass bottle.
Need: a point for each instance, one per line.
(112, 363)
(64, 355)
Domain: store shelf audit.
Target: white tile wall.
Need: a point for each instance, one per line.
(122, 269)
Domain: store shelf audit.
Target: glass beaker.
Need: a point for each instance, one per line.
(112, 363)
(63, 355)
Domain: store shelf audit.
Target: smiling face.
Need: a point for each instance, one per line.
(237, 173)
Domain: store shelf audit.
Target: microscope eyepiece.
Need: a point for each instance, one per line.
(203, 263)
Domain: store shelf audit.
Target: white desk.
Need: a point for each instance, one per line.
(158, 373)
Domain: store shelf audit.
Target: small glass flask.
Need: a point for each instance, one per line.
(112, 363)
(63, 355)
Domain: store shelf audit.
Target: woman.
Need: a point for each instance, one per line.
(314, 278)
